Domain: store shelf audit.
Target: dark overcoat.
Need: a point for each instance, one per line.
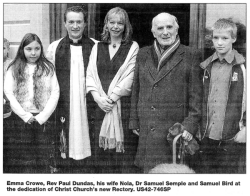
(162, 98)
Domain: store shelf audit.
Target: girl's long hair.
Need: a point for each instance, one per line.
(19, 63)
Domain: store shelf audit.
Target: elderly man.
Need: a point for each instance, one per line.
(70, 56)
(167, 89)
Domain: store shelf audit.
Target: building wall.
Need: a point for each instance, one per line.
(20, 19)
(235, 11)
(216, 11)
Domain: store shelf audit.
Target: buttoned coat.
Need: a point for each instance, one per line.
(235, 100)
(162, 98)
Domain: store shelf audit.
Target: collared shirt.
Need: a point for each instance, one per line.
(218, 94)
(78, 43)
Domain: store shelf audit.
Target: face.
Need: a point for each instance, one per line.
(115, 26)
(32, 52)
(75, 24)
(223, 41)
(5, 51)
(164, 30)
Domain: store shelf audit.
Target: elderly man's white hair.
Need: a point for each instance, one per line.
(168, 15)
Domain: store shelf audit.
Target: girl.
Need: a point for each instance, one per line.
(109, 79)
(33, 91)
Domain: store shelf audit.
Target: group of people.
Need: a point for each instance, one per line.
(91, 106)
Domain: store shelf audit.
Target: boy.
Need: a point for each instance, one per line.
(223, 124)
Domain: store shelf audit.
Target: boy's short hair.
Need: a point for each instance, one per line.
(6, 42)
(77, 9)
(226, 23)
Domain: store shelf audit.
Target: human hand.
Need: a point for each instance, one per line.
(136, 131)
(105, 104)
(31, 120)
(240, 137)
(187, 136)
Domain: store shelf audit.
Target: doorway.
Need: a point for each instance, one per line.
(141, 15)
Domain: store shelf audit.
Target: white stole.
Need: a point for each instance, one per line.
(79, 142)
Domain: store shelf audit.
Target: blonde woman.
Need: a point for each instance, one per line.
(109, 79)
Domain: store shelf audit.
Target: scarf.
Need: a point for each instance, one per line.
(167, 52)
(111, 133)
(62, 64)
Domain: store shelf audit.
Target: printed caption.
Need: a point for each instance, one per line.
(109, 186)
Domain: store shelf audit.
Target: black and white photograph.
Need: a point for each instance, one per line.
(124, 97)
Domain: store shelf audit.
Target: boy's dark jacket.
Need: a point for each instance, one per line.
(233, 111)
